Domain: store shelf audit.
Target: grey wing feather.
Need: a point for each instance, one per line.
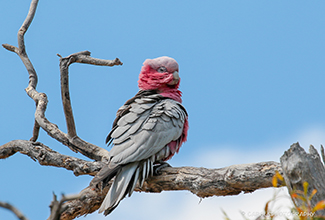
(155, 128)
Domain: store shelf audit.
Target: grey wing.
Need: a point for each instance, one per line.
(146, 129)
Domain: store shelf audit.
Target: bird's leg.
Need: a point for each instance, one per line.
(158, 166)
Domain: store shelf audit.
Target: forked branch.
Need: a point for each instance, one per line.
(82, 146)
(71, 139)
(80, 57)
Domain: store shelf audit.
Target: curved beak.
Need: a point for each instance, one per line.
(175, 79)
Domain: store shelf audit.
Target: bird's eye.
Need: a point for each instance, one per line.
(162, 69)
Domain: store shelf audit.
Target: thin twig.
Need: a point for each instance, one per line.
(10, 48)
(10, 207)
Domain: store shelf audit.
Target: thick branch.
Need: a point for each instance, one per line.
(14, 210)
(48, 157)
(202, 182)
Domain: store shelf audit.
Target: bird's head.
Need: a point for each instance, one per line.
(160, 73)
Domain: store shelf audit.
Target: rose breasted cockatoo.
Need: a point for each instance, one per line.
(148, 130)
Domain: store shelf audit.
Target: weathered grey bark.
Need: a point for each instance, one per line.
(299, 167)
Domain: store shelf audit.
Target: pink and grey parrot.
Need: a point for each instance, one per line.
(148, 130)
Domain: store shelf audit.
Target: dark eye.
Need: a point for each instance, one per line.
(162, 69)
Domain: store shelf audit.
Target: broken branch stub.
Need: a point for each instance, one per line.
(299, 167)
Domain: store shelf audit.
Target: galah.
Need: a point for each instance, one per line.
(148, 130)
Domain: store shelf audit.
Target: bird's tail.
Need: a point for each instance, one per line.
(124, 183)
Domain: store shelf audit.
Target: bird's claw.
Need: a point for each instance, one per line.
(158, 167)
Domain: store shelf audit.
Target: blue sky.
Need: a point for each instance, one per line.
(252, 81)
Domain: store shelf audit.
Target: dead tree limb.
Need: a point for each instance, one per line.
(299, 167)
(90, 150)
(205, 182)
(39, 98)
(57, 207)
(14, 210)
(80, 57)
(48, 157)
(21, 52)
(202, 182)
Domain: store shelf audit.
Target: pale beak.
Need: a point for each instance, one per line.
(175, 79)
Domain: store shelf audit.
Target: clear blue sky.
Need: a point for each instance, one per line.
(252, 80)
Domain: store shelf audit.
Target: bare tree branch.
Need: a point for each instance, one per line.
(21, 52)
(48, 157)
(202, 182)
(205, 182)
(80, 57)
(88, 149)
(13, 209)
(57, 207)
(35, 131)
(10, 48)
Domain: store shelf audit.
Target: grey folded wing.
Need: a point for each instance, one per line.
(150, 123)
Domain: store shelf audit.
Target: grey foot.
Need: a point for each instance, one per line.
(159, 166)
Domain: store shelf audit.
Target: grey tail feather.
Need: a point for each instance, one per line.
(104, 175)
(124, 183)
